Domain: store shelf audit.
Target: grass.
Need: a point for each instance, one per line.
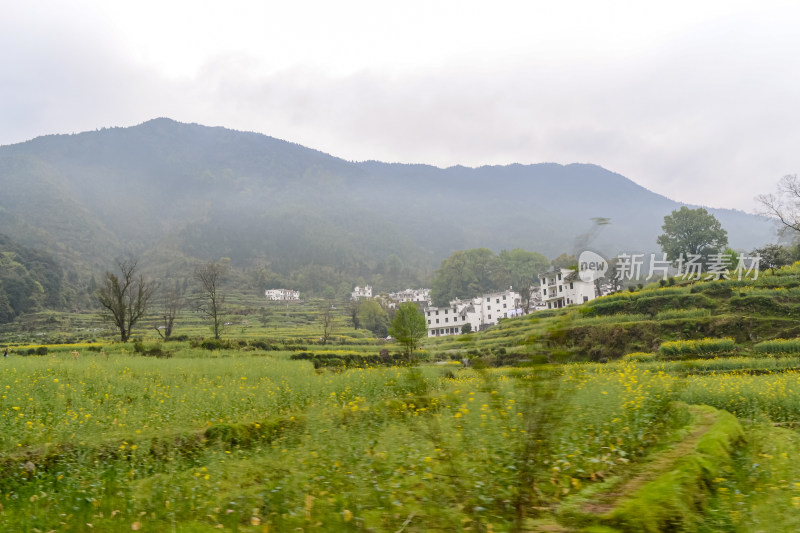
(778, 346)
(249, 436)
(187, 439)
(697, 348)
(249, 439)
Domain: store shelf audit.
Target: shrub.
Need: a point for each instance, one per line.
(670, 314)
(641, 357)
(41, 350)
(778, 346)
(700, 348)
(211, 344)
(755, 303)
(264, 345)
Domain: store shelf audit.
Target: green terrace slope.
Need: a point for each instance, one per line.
(739, 315)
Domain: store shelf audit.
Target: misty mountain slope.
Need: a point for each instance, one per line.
(545, 207)
(38, 208)
(177, 192)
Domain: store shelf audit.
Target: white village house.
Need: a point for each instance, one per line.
(479, 313)
(411, 295)
(564, 287)
(361, 292)
(282, 295)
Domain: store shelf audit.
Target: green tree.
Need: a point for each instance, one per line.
(610, 282)
(524, 268)
(6, 312)
(372, 316)
(733, 255)
(408, 327)
(564, 261)
(466, 274)
(352, 312)
(773, 256)
(124, 297)
(692, 231)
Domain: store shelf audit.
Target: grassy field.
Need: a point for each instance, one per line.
(255, 441)
(251, 440)
(253, 436)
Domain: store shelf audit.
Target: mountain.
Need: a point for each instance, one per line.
(176, 193)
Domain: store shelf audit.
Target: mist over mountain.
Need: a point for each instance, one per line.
(177, 193)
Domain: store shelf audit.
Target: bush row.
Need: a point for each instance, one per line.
(700, 348)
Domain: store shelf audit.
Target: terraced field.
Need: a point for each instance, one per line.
(668, 409)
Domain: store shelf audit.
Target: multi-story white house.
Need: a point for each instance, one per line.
(564, 287)
(361, 292)
(411, 295)
(479, 313)
(450, 320)
(282, 294)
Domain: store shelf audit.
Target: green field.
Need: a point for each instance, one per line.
(687, 424)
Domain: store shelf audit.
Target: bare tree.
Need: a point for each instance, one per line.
(327, 322)
(171, 301)
(212, 299)
(785, 205)
(124, 298)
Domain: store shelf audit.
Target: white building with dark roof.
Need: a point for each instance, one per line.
(479, 313)
(564, 287)
(361, 293)
(282, 295)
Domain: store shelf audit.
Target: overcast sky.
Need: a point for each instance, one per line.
(694, 100)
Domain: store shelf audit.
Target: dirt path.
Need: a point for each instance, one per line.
(653, 469)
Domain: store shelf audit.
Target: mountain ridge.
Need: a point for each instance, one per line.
(185, 192)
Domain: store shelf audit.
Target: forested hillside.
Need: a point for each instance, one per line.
(29, 280)
(174, 194)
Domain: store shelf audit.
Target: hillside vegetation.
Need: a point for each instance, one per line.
(747, 311)
(175, 194)
(687, 427)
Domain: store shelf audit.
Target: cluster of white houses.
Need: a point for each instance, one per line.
(359, 293)
(282, 295)
(557, 289)
(479, 313)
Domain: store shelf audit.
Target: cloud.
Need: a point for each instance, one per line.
(701, 112)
